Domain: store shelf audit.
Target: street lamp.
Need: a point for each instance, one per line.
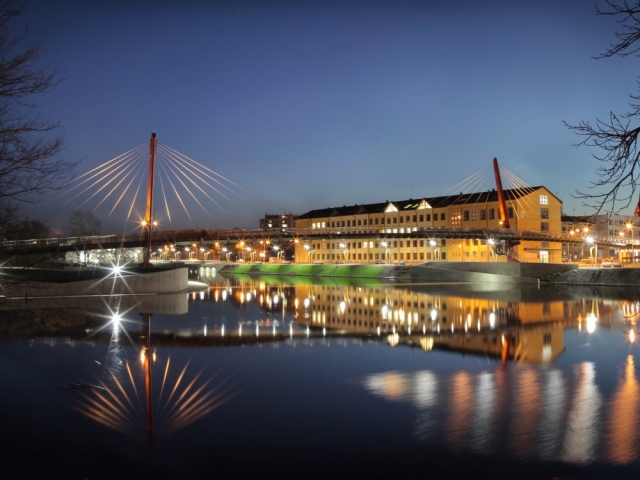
(387, 252)
(491, 242)
(310, 252)
(591, 241)
(629, 226)
(434, 246)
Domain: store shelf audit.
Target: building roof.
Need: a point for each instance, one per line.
(412, 204)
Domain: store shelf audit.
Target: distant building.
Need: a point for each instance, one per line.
(377, 226)
(623, 230)
(277, 222)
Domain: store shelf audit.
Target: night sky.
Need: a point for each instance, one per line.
(318, 104)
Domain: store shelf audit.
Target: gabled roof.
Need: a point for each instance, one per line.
(431, 202)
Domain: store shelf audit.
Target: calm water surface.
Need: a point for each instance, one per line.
(266, 376)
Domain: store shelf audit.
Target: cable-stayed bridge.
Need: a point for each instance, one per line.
(116, 186)
(215, 240)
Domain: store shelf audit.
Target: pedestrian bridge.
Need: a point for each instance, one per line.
(205, 238)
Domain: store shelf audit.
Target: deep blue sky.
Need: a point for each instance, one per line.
(317, 104)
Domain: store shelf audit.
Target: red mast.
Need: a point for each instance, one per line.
(504, 218)
(148, 220)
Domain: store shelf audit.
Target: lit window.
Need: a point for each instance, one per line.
(544, 200)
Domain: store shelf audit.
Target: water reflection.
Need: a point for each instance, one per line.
(622, 432)
(126, 401)
(491, 372)
(581, 432)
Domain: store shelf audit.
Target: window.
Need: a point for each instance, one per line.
(348, 223)
(544, 226)
(544, 212)
(474, 214)
(443, 255)
(332, 224)
(442, 216)
(510, 212)
(421, 255)
(376, 221)
(492, 214)
(465, 215)
(401, 220)
(422, 243)
(408, 218)
(395, 220)
(422, 218)
(544, 200)
(435, 217)
(371, 221)
(443, 242)
(415, 256)
(388, 221)
(415, 217)
(415, 243)
(428, 217)
(483, 214)
(343, 223)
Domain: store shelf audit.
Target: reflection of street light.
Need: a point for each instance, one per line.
(591, 323)
(491, 242)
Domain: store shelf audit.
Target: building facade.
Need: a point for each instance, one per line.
(277, 222)
(621, 230)
(405, 231)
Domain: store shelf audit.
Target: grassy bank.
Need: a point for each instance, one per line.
(360, 271)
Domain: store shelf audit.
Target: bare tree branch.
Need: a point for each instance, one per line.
(616, 139)
(29, 146)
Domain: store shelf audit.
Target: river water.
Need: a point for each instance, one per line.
(328, 378)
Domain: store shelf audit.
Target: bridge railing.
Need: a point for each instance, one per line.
(381, 231)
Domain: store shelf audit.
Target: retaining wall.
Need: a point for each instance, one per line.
(486, 272)
(148, 281)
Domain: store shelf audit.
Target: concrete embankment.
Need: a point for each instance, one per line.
(487, 272)
(431, 272)
(94, 281)
(598, 276)
(323, 270)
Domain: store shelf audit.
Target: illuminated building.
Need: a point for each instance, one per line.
(415, 230)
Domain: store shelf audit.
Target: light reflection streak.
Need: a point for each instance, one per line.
(622, 429)
(460, 410)
(527, 411)
(553, 413)
(483, 426)
(581, 433)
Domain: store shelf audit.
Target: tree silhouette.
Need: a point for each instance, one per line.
(83, 223)
(29, 146)
(615, 138)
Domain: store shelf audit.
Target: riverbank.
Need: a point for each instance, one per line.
(577, 276)
(597, 276)
(320, 270)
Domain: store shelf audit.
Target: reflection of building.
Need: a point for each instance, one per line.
(539, 344)
(532, 209)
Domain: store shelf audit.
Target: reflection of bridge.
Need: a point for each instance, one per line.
(253, 237)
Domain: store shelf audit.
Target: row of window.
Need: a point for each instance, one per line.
(381, 256)
(380, 221)
(402, 243)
